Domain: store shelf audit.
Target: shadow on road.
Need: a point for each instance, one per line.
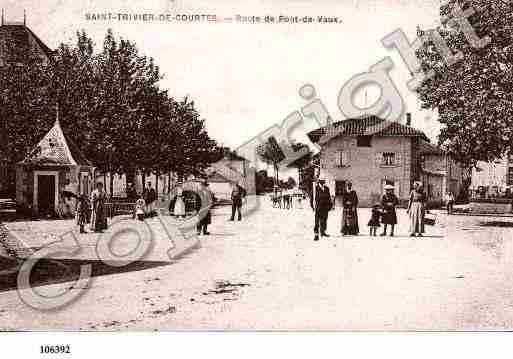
(53, 271)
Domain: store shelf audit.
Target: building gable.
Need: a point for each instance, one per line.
(56, 149)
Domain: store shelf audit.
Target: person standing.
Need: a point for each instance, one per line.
(349, 212)
(98, 215)
(416, 210)
(374, 223)
(81, 212)
(131, 192)
(238, 193)
(150, 196)
(205, 218)
(179, 207)
(321, 205)
(389, 202)
(449, 200)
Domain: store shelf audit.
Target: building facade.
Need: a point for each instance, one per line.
(232, 168)
(371, 152)
(493, 179)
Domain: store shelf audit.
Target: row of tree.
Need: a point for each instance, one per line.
(110, 105)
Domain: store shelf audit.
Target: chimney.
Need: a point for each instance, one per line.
(408, 119)
(2, 17)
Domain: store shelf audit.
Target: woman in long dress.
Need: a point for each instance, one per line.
(389, 201)
(98, 217)
(416, 210)
(179, 210)
(349, 212)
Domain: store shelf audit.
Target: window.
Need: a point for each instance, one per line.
(342, 158)
(363, 141)
(510, 176)
(388, 159)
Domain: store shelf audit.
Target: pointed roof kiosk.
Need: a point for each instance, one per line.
(53, 170)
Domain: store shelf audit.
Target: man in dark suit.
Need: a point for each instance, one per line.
(238, 194)
(321, 204)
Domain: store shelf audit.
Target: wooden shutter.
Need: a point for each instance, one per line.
(344, 160)
(379, 158)
(398, 158)
(338, 158)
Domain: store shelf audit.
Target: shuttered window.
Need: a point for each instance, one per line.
(342, 158)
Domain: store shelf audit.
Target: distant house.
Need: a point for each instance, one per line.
(54, 167)
(232, 168)
(493, 179)
(371, 152)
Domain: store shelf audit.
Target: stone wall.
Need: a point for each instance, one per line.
(365, 169)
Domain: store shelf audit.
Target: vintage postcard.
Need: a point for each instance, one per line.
(330, 165)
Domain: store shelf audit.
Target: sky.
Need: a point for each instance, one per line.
(245, 77)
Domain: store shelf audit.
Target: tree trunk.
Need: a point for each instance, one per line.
(111, 185)
(143, 177)
(157, 182)
(169, 182)
(277, 181)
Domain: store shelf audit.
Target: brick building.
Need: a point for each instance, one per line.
(371, 152)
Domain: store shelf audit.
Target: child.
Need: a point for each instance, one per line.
(375, 219)
(81, 214)
(140, 204)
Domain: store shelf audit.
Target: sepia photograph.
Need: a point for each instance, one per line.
(293, 165)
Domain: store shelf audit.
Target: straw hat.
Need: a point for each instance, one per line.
(389, 186)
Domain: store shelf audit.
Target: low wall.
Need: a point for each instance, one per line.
(491, 207)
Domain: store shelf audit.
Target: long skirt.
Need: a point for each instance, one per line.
(389, 217)
(350, 221)
(98, 219)
(416, 218)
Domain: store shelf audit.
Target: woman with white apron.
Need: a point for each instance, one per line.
(179, 210)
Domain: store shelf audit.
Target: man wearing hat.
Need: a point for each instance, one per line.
(321, 204)
(206, 218)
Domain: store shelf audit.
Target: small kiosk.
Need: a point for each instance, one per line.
(51, 175)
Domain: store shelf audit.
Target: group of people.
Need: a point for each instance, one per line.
(92, 210)
(383, 213)
(179, 209)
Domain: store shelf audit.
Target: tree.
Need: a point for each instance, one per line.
(110, 105)
(473, 96)
(271, 153)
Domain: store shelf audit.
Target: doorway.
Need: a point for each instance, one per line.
(46, 185)
(46, 194)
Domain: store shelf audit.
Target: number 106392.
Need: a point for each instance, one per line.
(55, 349)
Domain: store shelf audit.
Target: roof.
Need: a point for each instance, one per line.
(232, 155)
(22, 36)
(427, 148)
(56, 149)
(367, 126)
